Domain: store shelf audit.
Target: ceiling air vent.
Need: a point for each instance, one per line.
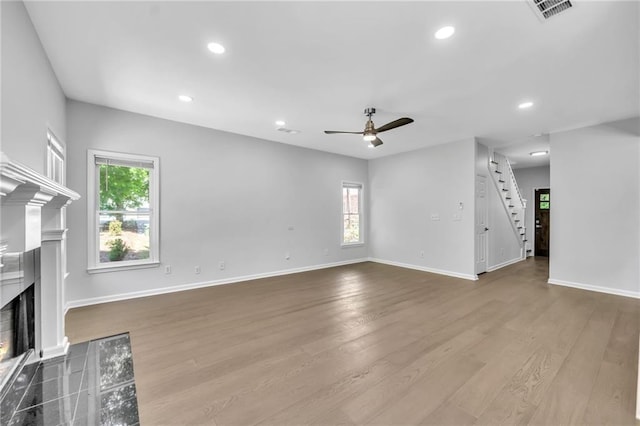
(549, 8)
(290, 131)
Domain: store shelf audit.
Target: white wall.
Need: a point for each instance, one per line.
(32, 99)
(528, 180)
(406, 190)
(595, 219)
(223, 197)
(503, 244)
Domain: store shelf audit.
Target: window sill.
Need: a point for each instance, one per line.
(347, 245)
(115, 268)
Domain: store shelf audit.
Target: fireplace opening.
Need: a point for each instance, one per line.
(18, 275)
(17, 333)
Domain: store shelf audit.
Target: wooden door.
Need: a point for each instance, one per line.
(481, 224)
(542, 212)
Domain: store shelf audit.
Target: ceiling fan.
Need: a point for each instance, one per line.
(370, 132)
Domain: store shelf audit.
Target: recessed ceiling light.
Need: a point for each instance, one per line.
(525, 105)
(538, 153)
(185, 98)
(444, 32)
(216, 48)
(280, 123)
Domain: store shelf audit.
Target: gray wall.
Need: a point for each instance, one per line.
(595, 225)
(530, 179)
(406, 190)
(32, 99)
(224, 197)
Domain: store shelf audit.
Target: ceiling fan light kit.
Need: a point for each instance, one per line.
(370, 133)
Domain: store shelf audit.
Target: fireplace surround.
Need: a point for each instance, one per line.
(32, 262)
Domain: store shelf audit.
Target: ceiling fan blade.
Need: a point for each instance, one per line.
(396, 123)
(331, 132)
(376, 142)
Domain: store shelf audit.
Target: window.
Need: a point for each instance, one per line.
(123, 211)
(55, 159)
(351, 213)
(544, 201)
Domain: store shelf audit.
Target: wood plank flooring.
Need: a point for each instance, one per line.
(377, 344)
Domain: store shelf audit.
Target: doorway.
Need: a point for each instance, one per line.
(541, 221)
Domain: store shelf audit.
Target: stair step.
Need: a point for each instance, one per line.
(507, 198)
(524, 241)
(505, 189)
(494, 162)
(511, 206)
(498, 172)
(517, 220)
(500, 180)
(519, 227)
(514, 213)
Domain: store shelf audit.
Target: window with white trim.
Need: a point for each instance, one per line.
(123, 210)
(352, 213)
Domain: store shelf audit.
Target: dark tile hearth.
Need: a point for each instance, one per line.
(92, 385)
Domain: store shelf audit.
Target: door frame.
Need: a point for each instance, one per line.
(486, 215)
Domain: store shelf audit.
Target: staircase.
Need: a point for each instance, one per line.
(514, 204)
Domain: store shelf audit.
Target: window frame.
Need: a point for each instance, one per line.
(93, 213)
(360, 187)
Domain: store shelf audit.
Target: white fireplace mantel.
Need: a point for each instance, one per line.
(31, 217)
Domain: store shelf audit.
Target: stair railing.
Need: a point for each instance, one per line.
(512, 199)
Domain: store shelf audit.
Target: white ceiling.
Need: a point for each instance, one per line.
(318, 65)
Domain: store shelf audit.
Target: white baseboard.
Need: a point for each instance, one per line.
(191, 286)
(425, 269)
(503, 264)
(608, 290)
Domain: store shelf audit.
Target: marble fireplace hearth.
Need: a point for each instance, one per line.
(93, 384)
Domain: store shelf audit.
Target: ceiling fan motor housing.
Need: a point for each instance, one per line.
(369, 128)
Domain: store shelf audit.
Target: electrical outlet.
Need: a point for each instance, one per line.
(197, 270)
(422, 254)
(222, 265)
(167, 269)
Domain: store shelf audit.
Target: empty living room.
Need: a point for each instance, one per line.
(319, 212)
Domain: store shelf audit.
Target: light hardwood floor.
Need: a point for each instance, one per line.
(376, 344)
